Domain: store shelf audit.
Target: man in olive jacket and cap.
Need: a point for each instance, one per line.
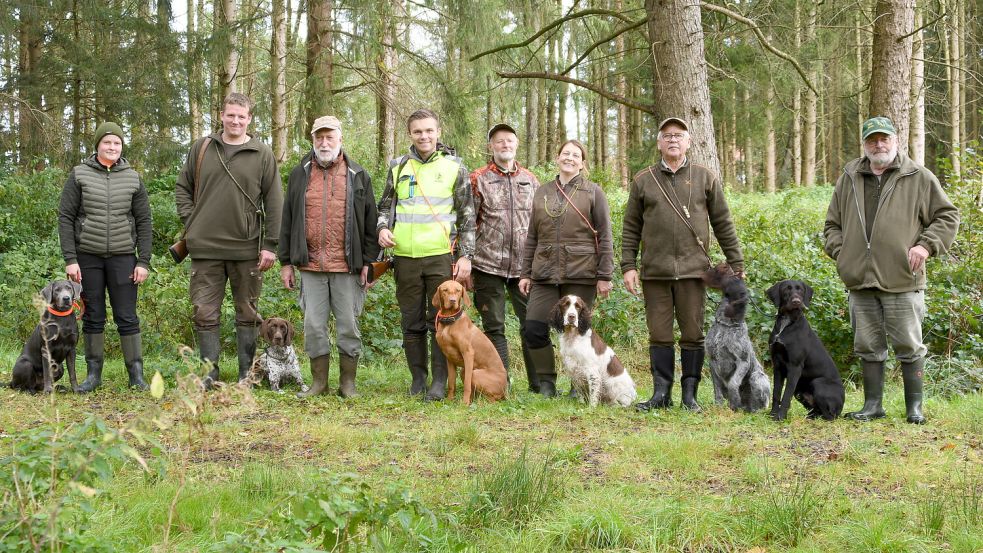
(671, 207)
(887, 216)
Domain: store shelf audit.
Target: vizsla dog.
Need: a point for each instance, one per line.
(465, 346)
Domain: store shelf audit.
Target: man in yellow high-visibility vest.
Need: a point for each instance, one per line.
(427, 217)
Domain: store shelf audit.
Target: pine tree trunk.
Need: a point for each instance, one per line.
(679, 80)
(622, 89)
(224, 16)
(771, 177)
(28, 118)
(955, 86)
(916, 140)
(749, 175)
(278, 66)
(894, 22)
(319, 61)
(386, 95)
(810, 106)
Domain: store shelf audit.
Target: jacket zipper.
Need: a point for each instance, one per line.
(108, 215)
(508, 270)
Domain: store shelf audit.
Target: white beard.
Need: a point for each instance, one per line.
(327, 158)
(882, 159)
(504, 159)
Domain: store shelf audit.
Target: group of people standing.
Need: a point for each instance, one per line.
(497, 230)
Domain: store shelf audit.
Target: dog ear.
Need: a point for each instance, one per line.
(46, 292)
(775, 294)
(76, 289)
(556, 316)
(290, 332)
(264, 329)
(465, 298)
(436, 298)
(807, 295)
(584, 318)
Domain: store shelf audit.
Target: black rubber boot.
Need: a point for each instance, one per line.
(438, 373)
(415, 348)
(661, 361)
(692, 362)
(95, 345)
(320, 366)
(873, 393)
(246, 349)
(531, 375)
(911, 373)
(346, 381)
(210, 347)
(543, 363)
(133, 359)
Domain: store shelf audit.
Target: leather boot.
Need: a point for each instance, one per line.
(95, 345)
(438, 373)
(415, 348)
(346, 382)
(873, 393)
(210, 347)
(662, 365)
(692, 363)
(911, 373)
(246, 348)
(531, 375)
(133, 359)
(543, 363)
(319, 372)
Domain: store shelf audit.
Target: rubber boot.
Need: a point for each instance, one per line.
(133, 359)
(438, 373)
(692, 363)
(320, 366)
(543, 362)
(873, 393)
(530, 369)
(661, 361)
(209, 347)
(415, 348)
(246, 349)
(346, 382)
(911, 373)
(95, 345)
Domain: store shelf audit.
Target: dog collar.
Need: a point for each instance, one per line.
(61, 313)
(78, 304)
(448, 319)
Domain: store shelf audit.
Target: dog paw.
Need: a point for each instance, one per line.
(304, 388)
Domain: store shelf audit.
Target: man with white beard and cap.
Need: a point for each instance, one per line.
(328, 235)
(887, 216)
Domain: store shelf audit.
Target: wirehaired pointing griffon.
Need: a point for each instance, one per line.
(466, 346)
(593, 368)
(736, 371)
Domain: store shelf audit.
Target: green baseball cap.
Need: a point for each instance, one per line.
(877, 125)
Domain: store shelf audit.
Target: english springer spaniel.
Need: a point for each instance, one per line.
(593, 368)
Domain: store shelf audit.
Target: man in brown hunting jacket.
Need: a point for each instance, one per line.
(503, 192)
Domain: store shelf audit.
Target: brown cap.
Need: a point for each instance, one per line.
(675, 120)
(500, 127)
(325, 122)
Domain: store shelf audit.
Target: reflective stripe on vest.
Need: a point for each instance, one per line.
(425, 211)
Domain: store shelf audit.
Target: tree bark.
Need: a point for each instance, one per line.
(952, 70)
(771, 177)
(622, 109)
(894, 22)
(810, 106)
(225, 16)
(916, 135)
(278, 66)
(679, 80)
(28, 118)
(386, 94)
(193, 75)
(319, 61)
(749, 175)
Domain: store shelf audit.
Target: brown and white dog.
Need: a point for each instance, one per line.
(593, 368)
(279, 360)
(466, 346)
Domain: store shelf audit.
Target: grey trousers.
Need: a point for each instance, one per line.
(326, 294)
(877, 316)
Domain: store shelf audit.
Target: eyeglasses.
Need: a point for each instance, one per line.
(675, 137)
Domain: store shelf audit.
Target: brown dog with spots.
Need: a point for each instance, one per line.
(466, 346)
(593, 368)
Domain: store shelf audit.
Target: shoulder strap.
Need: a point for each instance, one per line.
(201, 155)
(681, 217)
(597, 245)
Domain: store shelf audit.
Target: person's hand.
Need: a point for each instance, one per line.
(386, 239)
(266, 260)
(363, 279)
(604, 288)
(462, 270)
(139, 275)
(739, 274)
(916, 257)
(74, 272)
(288, 277)
(631, 281)
(524, 286)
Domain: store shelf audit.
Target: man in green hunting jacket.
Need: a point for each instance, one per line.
(887, 216)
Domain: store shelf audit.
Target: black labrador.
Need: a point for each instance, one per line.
(52, 342)
(803, 367)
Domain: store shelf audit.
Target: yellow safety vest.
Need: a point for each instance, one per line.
(425, 217)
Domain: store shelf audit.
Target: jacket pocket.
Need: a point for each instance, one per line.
(543, 264)
(580, 262)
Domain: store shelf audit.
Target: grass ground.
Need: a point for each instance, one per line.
(531, 474)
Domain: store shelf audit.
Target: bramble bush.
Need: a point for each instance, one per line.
(781, 235)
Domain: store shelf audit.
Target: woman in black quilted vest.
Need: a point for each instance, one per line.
(106, 232)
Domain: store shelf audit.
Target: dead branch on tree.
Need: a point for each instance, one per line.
(646, 108)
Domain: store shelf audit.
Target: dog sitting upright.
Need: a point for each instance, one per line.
(51, 343)
(593, 368)
(278, 360)
(802, 364)
(733, 364)
(466, 346)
